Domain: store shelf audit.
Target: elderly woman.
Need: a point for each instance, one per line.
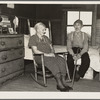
(77, 45)
(42, 45)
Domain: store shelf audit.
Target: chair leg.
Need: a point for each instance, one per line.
(35, 78)
(68, 73)
(67, 70)
(99, 76)
(74, 74)
(42, 84)
(44, 76)
(35, 71)
(43, 69)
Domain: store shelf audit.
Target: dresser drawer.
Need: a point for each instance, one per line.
(11, 54)
(11, 76)
(11, 67)
(11, 42)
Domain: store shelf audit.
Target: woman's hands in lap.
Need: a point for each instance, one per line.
(49, 54)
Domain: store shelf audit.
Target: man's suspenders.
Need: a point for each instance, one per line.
(72, 36)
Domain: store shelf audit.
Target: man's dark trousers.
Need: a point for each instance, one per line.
(85, 62)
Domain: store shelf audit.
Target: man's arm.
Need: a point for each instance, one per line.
(85, 45)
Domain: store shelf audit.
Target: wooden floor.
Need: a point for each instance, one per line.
(26, 83)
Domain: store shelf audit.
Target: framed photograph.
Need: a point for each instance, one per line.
(60, 19)
(11, 30)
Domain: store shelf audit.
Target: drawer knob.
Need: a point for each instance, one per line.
(4, 57)
(21, 65)
(3, 69)
(20, 41)
(2, 43)
(20, 52)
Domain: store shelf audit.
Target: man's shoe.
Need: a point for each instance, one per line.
(77, 77)
(68, 87)
(63, 89)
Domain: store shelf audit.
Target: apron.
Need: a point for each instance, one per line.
(43, 46)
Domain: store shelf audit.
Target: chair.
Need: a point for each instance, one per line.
(99, 76)
(41, 69)
(74, 72)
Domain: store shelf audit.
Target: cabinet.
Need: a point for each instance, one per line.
(11, 56)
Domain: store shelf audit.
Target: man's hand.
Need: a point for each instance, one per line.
(78, 56)
(75, 57)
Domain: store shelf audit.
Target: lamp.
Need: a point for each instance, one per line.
(15, 22)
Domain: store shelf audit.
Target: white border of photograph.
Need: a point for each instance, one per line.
(48, 95)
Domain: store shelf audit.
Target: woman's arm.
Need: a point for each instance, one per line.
(36, 51)
(53, 51)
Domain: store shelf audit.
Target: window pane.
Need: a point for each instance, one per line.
(87, 29)
(72, 17)
(70, 29)
(86, 17)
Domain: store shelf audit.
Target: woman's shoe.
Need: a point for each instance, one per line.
(64, 83)
(59, 83)
(63, 89)
(77, 77)
(68, 87)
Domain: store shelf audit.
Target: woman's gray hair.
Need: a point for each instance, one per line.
(39, 24)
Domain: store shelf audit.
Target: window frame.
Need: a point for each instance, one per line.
(79, 18)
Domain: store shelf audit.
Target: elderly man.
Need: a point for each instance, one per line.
(77, 46)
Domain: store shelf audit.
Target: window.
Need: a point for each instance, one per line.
(85, 16)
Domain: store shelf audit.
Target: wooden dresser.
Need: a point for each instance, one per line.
(11, 56)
